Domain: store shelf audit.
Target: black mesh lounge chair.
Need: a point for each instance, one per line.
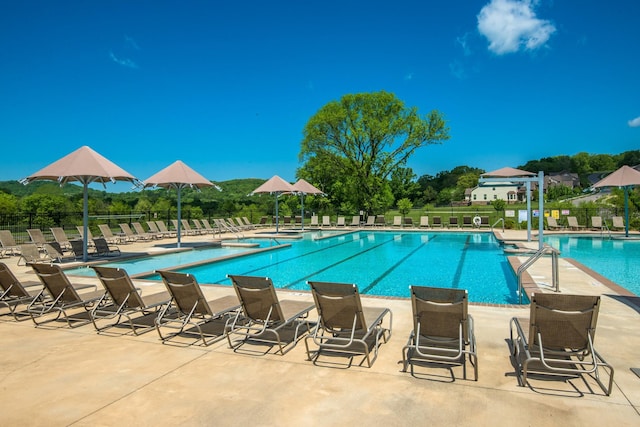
(123, 300)
(467, 221)
(77, 247)
(13, 293)
(453, 222)
(344, 326)
(557, 339)
(64, 297)
(437, 222)
(264, 318)
(443, 331)
(190, 312)
(103, 248)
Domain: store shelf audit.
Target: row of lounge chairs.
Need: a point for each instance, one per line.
(597, 224)
(399, 221)
(557, 338)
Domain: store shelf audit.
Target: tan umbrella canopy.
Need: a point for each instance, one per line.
(275, 185)
(626, 177)
(303, 188)
(177, 175)
(85, 166)
(508, 172)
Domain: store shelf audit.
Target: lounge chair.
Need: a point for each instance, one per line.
(153, 228)
(408, 222)
(467, 221)
(251, 226)
(13, 293)
(453, 222)
(164, 230)
(123, 301)
(355, 221)
(314, 221)
(557, 339)
(145, 235)
(596, 223)
(397, 221)
(108, 235)
(80, 229)
(129, 235)
(380, 221)
(197, 226)
(37, 237)
(344, 326)
(60, 236)
(437, 221)
(326, 221)
(340, 222)
(296, 221)
(263, 221)
(103, 248)
(208, 227)
(424, 222)
(77, 248)
(64, 297)
(617, 223)
(264, 318)
(484, 221)
(8, 243)
(192, 310)
(55, 253)
(443, 331)
(552, 224)
(30, 253)
(371, 221)
(572, 222)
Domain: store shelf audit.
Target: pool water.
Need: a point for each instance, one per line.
(381, 263)
(616, 259)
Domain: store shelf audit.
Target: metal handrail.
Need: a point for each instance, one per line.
(545, 249)
(494, 224)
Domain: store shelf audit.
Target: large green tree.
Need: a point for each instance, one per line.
(357, 142)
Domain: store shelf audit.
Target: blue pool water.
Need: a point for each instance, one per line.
(616, 259)
(382, 263)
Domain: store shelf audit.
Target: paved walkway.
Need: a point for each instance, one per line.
(57, 376)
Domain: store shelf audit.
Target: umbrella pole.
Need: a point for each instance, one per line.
(626, 211)
(277, 216)
(179, 216)
(85, 222)
(302, 211)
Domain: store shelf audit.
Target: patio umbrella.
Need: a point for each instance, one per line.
(275, 185)
(85, 166)
(625, 177)
(303, 188)
(177, 175)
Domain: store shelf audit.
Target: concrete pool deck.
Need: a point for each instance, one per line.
(58, 376)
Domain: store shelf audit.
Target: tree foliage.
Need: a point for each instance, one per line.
(361, 140)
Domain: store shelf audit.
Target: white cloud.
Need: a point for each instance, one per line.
(123, 61)
(462, 41)
(510, 25)
(635, 122)
(131, 43)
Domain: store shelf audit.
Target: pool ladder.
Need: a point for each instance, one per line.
(545, 249)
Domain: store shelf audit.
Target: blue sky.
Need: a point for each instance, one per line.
(227, 87)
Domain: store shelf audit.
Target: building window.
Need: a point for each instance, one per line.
(495, 197)
(485, 196)
(474, 197)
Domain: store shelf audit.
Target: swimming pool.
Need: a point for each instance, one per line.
(616, 259)
(381, 263)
